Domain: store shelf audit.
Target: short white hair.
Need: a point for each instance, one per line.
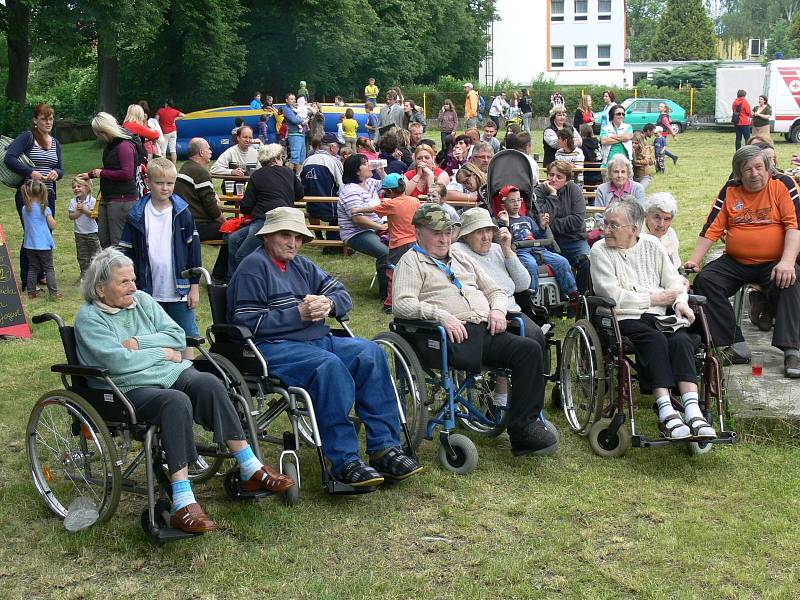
(101, 271)
(663, 201)
(620, 159)
(269, 152)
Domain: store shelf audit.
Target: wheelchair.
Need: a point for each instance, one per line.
(455, 397)
(597, 377)
(79, 438)
(268, 398)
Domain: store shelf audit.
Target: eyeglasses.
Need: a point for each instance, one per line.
(613, 227)
(619, 114)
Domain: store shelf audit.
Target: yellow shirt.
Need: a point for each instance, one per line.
(371, 91)
(350, 126)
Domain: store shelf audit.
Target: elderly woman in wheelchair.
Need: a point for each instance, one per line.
(129, 334)
(636, 272)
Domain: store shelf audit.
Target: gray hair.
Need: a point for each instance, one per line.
(101, 270)
(620, 159)
(269, 152)
(744, 155)
(630, 207)
(196, 146)
(663, 201)
(480, 146)
(105, 126)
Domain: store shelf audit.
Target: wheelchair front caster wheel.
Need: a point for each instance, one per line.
(231, 485)
(606, 444)
(162, 507)
(292, 495)
(697, 448)
(466, 458)
(555, 398)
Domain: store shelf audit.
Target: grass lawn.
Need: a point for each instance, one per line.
(656, 523)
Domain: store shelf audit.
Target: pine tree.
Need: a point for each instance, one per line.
(685, 32)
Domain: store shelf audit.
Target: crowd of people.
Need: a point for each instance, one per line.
(461, 268)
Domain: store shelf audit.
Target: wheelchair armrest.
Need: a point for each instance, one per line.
(343, 319)
(603, 301)
(80, 370)
(235, 333)
(414, 326)
(194, 342)
(543, 243)
(695, 300)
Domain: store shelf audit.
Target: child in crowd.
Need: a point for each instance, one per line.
(660, 146)
(364, 146)
(525, 228)
(592, 156)
(262, 129)
(438, 195)
(283, 128)
(161, 239)
(340, 131)
(38, 242)
(87, 242)
(643, 160)
(344, 153)
(490, 135)
(399, 209)
(569, 153)
(373, 121)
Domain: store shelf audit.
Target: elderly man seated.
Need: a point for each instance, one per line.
(757, 212)
(432, 283)
(636, 272)
(284, 299)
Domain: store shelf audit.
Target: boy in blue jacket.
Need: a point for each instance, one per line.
(161, 238)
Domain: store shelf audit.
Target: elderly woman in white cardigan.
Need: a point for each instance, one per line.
(635, 271)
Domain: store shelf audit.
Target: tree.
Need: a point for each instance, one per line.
(684, 32)
(17, 20)
(781, 41)
(641, 21)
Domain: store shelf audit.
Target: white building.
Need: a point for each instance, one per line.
(568, 41)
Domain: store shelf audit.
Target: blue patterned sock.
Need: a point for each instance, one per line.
(248, 463)
(182, 494)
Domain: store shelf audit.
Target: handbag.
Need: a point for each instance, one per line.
(7, 176)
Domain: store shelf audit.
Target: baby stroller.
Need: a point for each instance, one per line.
(512, 167)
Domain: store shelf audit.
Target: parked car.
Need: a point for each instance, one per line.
(641, 111)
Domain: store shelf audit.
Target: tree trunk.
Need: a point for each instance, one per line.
(19, 49)
(107, 73)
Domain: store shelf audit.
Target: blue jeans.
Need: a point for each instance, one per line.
(742, 133)
(560, 265)
(528, 261)
(183, 316)
(577, 253)
(370, 244)
(338, 372)
(297, 148)
(237, 244)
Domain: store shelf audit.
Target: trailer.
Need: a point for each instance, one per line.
(730, 80)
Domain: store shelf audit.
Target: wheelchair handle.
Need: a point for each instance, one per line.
(44, 317)
(199, 272)
(545, 243)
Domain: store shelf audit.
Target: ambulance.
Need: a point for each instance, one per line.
(782, 88)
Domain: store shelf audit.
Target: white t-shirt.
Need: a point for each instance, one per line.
(158, 225)
(84, 223)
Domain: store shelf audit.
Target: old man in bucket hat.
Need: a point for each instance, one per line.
(431, 283)
(284, 298)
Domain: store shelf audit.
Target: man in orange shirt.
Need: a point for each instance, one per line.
(758, 213)
(470, 107)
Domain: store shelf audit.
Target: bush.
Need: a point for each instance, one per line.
(14, 117)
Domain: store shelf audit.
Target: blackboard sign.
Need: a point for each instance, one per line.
(13, 320)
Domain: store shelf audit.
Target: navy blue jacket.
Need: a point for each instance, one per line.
(185, 244)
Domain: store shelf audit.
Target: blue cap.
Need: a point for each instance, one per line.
(393, 181)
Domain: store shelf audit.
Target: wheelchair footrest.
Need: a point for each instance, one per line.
(724, 437)
(166, 535)
(342, 489)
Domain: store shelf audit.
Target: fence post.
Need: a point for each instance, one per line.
(691, 101)
(425, 104)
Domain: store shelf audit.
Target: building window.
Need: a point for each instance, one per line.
(581, 54)
(556, 10)
(556, 56)
(604, 56)
(603, 10)
(581, 10)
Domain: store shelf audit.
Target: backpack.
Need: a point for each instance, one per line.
(736, 115)
(481, 108)
(141, 163)
(8, 177)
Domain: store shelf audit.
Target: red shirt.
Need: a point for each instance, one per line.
(166, 118)
(416, 191)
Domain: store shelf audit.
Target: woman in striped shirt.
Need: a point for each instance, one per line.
(44, 151)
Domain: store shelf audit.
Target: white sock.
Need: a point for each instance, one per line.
(665, 408)
(500, 399)
(691, 409)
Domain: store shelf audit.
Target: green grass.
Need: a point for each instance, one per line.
(654, 524)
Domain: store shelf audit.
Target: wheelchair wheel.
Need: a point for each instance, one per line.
(409, 382)
(207, 464)
(582, 371)
(609, 446)
(71, 454)
(481, 395)
(466, 458)
(292, 495)
(697, 448)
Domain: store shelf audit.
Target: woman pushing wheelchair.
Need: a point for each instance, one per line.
(127, 332)
(637, 273)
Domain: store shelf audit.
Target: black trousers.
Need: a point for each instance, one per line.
(210, 231)
(663, 359)
(194, 396)
(722, 278)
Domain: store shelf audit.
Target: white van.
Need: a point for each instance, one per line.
(782, 88)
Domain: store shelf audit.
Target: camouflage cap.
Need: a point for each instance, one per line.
(433, 217)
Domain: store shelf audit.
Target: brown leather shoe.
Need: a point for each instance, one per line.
(192, 519)
(267, 479)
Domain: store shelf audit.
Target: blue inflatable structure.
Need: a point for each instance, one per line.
(215, 124)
